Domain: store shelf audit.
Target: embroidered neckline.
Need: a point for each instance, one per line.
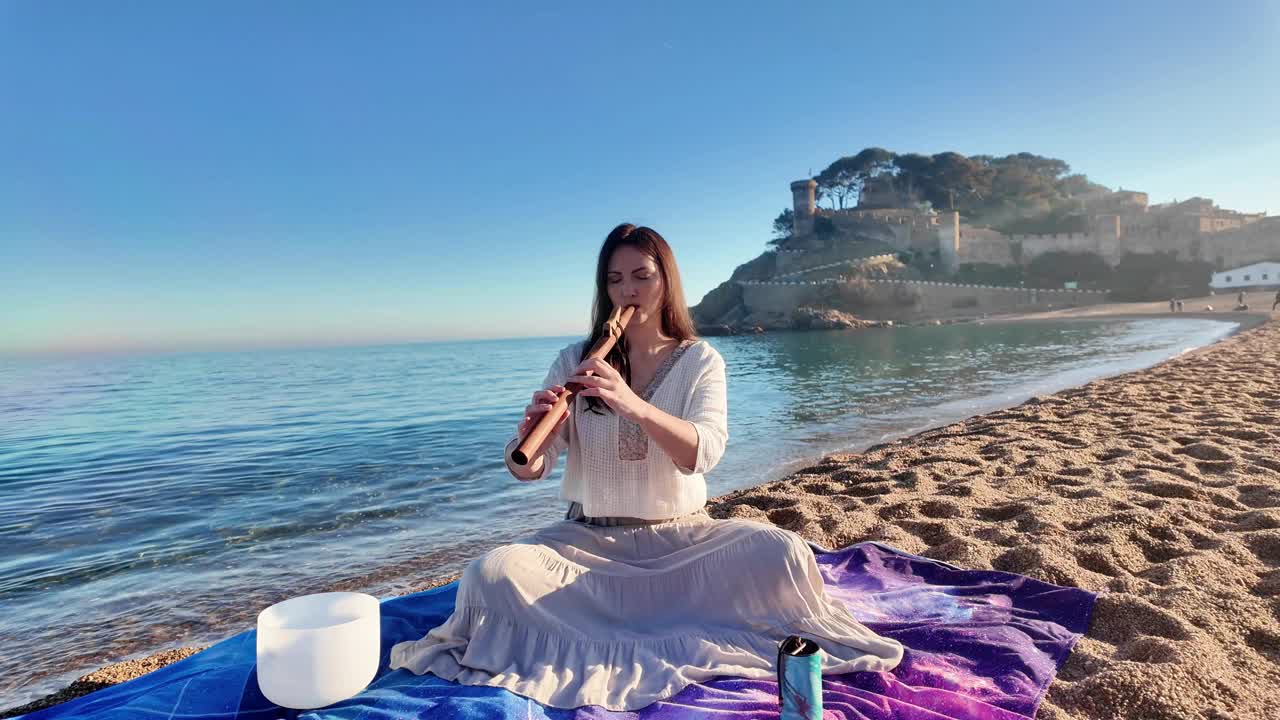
(661, 373)
(633, 443)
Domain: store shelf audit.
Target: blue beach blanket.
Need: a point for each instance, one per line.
(980, 644)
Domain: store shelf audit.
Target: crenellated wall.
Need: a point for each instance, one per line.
(911, 300)
(984, 245)
(1034, 246)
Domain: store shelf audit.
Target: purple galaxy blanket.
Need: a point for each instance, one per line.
(980, 644)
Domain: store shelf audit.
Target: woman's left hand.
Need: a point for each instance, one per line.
(608, 385)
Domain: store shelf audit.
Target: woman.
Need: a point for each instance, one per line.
(638, 592)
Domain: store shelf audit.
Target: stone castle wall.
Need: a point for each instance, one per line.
(1193, 230)
(984, 245)
(1255, 242)
(904, 301)
(1033, 246)
(905, 230)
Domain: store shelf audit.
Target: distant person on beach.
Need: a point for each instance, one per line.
(582, 612)
(1277, 302)
(1179, 306)
(1173, 306)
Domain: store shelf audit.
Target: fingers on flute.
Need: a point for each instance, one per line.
(528, 421)
(593, 365)
(550, 395)
(536, 411)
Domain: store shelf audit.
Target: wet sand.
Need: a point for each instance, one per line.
(1159, 489)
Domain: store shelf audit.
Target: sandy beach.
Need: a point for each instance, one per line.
(1159, 489)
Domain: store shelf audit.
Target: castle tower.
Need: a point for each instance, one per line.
(948, 230)
(1109, 237)
(802, 207)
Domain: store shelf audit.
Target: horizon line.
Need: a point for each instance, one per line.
(144, 350)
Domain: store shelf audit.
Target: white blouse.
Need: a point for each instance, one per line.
(615, 477)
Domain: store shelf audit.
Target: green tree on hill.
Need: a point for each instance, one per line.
(782, 226)
(843, 179)
(1013, 193)
(955, 181)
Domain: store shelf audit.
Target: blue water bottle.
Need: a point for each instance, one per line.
(800, 679)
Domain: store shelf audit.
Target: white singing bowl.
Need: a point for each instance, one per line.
(316, 650)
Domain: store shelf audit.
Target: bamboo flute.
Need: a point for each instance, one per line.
(533, 443)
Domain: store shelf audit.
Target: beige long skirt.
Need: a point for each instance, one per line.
(622, 616)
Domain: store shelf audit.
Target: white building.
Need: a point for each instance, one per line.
(1262, 274)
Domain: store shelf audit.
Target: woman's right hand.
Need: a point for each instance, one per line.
(543, 400)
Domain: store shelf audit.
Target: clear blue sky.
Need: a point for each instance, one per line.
(231, 174)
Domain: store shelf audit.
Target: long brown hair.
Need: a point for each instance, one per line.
(676, 321)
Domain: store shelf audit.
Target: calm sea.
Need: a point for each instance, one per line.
(150, 502)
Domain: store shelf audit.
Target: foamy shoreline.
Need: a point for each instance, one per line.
(1172, 511)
